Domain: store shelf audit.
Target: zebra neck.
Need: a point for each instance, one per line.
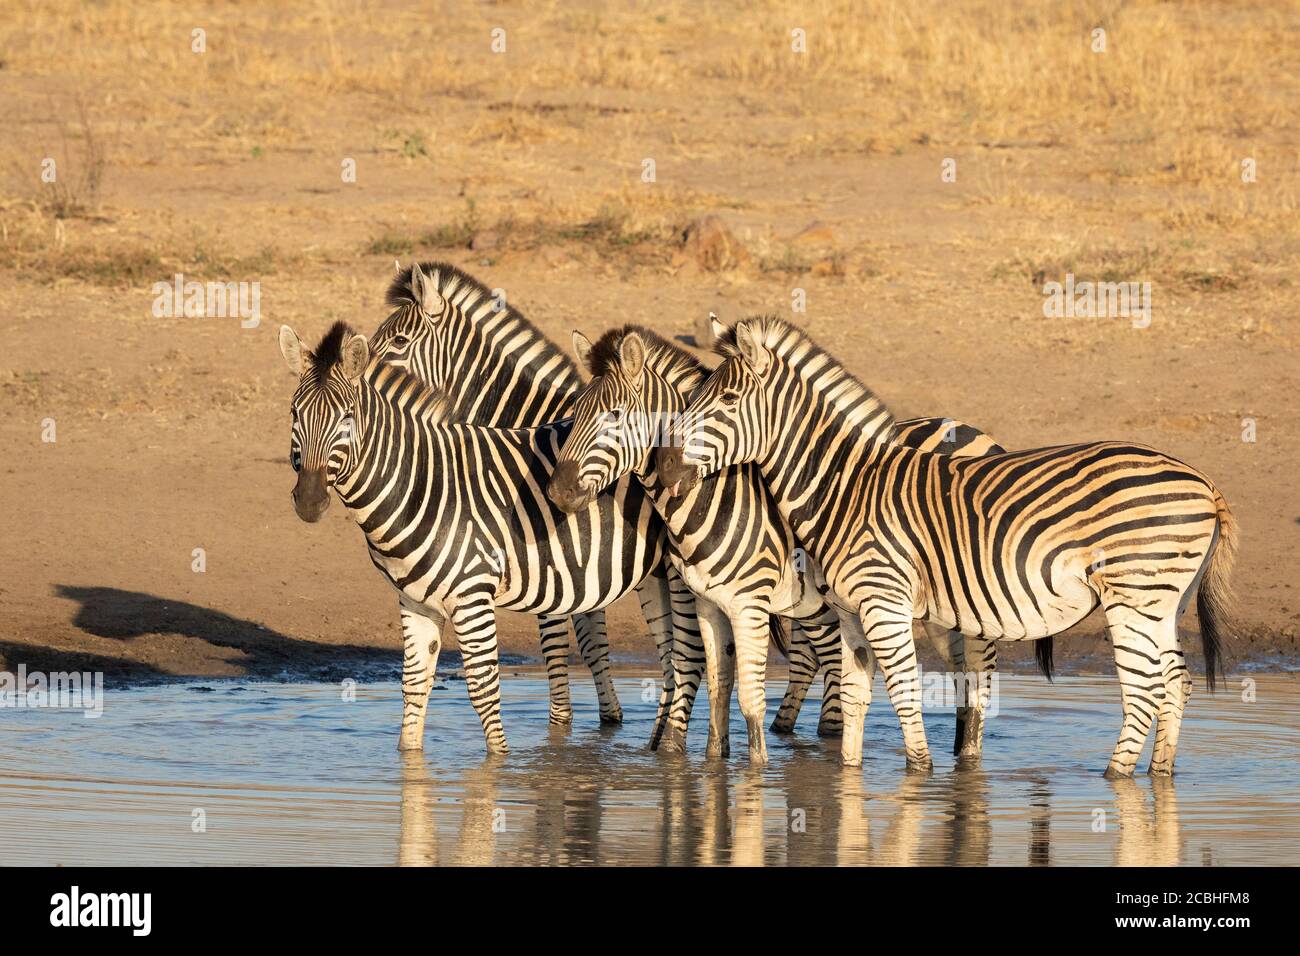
(505, 373)
(664, 397)
(822, 453)
(394, 426)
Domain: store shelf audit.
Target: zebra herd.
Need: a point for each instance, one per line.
(771, 497)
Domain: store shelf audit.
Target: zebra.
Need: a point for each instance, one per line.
(1013, 546)
(454, 333)
(455, 516)
(729, 540)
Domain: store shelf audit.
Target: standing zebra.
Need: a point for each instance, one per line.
(449, 330)
(729, 540)
(455, 515)
(1014, 546)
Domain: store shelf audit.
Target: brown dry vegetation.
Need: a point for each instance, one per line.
(525, 168)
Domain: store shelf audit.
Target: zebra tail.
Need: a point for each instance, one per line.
(1043, 654)
(780, 637)
(1214, 596)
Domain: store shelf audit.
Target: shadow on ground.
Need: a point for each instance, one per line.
(267, 654)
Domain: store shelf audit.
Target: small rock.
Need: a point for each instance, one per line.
(816, 233)
(712, 246)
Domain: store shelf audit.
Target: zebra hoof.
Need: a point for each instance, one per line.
(718, 749)
(1160, 771)
(781, 726)
(968, 761)
(672, 745)
(561, 720)
(921, 765)
(1117, 773)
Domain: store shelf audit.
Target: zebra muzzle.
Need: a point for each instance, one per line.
(311, 495)
(565, 490)
(676, 473)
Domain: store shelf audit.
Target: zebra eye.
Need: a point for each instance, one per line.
(295, 459)
(730, 397)
(401, 341)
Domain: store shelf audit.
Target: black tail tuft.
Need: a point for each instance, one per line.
(780, 637)
(1211, 615)
(1214, 595)
(1043, 654)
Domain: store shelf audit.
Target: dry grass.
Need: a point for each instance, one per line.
(1171, 74)
(546, 135)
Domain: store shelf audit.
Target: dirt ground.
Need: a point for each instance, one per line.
(527, 169)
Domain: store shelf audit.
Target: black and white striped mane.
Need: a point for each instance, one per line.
(667, 360)
(793, 346)
(431, 403)
(467, 296)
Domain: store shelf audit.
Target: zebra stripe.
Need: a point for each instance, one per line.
(1014, 546)
(455, 515)
(729, 541)
(452, 332)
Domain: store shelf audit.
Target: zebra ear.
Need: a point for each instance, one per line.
(356, 355)
(631, 357)
(582, 349)
(719, 330)
(425, 292)
(291, 349)
(751, 350)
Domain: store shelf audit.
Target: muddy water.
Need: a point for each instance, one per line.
(292, 773)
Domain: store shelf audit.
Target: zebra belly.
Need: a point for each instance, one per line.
(1068, 602)
(536, 587)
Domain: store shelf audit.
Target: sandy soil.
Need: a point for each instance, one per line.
(172, 433)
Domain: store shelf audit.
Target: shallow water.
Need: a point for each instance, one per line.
(292, 773)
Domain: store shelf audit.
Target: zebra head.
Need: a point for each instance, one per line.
(727, 421)
(611, 428)
(412, 337)
(323, 412)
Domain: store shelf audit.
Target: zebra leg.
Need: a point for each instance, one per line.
(1178, 689)
(555, 652)
(825, 637)
(803, 668)
(422, 640)
(975, 669)
(688, 660)
(474, 621)
(719, 657)
(750, 634)
(858, 671)
(889, 631)
(951, 647)
(656, 609)
(1141, 681)
(593, 645)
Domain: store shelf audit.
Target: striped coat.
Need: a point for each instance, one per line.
(455, 516)
(1014, 546)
